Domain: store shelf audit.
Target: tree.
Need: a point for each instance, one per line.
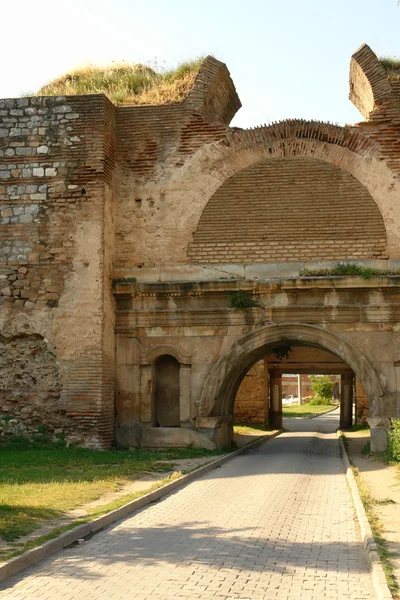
(322, 386)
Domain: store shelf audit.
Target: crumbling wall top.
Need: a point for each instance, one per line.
(214, 95)
(369, 85)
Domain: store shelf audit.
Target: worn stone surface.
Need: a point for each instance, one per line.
(29, 380)
(275, 522)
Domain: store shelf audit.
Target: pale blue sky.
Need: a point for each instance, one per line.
(287, 58)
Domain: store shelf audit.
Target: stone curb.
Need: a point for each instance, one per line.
(368, 540)
(33, 556)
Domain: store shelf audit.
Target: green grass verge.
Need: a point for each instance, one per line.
(38, 484)
(358, 428)
(97, 512)
(251, 428)
(306, 410)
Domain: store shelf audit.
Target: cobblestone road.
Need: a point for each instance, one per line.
(277, 522)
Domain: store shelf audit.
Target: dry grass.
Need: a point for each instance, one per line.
(127, 83)
(392, 66)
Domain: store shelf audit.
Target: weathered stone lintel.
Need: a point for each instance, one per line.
(224, 271)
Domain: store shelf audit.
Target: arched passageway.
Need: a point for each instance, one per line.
(227, 373)
(285, 373)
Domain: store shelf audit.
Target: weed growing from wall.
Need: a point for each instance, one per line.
(348, 270)
(241, 299)
(123, 280)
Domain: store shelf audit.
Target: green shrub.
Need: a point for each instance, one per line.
(282, 352)
(318, 400)
(7, 418)
(394, 440)
(241, 299)
(322, 386)
(124, 280)
(348, 269)
(352, 269)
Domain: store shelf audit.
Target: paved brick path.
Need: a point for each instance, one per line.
(277, 522)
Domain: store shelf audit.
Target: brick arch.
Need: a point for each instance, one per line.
(289, 209)
(346, 147)
(223, 381)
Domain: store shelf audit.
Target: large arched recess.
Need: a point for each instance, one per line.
(346, 147)
(223, 381)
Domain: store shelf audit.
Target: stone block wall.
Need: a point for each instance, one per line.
(30, 382)
(56, 260)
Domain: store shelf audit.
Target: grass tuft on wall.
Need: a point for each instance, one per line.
(392, 66)
(126, 83)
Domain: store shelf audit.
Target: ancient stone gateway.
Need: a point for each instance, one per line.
(128, 233)
(219, 392)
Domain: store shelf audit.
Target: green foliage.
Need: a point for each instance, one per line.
(251, 428)
(183, 70)
(38, 483)
(352, 269)
(348, 270)
(322, 386)
(16, 521)
(359, 427)
(282, 352)
(241, 299)
(7, 418)
(125, 280)
(394, 441)
(318, 401)
(366, 449)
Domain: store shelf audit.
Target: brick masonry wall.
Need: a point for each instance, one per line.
(56, 173)
(290, 386)
(362, 403)
(250, 402)
(153, 143)
(288, 210)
